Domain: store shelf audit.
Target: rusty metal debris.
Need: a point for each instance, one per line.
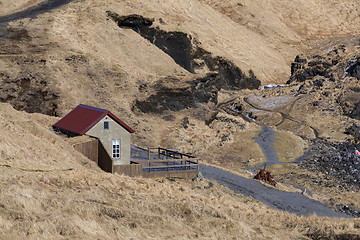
(265, 176)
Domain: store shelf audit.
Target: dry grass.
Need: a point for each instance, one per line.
(288, 146)
(8, 7)
(86, 203)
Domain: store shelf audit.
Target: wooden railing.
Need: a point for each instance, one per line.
(163, 159)
(167, 153)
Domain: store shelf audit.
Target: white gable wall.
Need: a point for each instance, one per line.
(116, 131)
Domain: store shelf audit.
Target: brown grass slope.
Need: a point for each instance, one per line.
(49, 191)
(76, 54)
(85, 58)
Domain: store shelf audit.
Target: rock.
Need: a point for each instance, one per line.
(225, 137)
(186, 122)
(336, 161)
(210, 185)
(199, 177)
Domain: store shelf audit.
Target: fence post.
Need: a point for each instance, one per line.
(149, 158)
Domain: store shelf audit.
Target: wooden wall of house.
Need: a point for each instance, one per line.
(89, 149)
(105, 162)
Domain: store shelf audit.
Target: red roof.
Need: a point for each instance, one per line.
(83, 117)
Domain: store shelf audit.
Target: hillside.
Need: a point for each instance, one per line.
(189, 75)
(76, 54)
(49, 191)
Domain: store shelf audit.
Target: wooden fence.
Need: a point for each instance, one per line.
(169, 163)
(160, 162)
(89, 149)
(132, 170)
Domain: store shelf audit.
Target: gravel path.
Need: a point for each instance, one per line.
(265, 141)
(285, 201)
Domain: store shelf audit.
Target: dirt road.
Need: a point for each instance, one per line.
(265, 140)
(285, 201)
(44, 6)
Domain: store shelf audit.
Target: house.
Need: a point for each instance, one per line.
(113, 135)
(105, 139)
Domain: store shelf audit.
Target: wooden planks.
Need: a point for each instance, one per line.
(132, 170)
(89, 149)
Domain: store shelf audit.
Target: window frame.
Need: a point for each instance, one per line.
(116, 149)
(106, 125)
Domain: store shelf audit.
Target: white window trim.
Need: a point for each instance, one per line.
(116, 149)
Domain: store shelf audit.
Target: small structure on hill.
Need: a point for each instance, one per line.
(111, 137)
(105, 139)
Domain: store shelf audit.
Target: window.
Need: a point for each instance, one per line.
(106, 125)
(116, 148)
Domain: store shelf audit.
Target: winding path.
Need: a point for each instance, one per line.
(284, 115)
(265, 140)
(42, 7)
(285, 201)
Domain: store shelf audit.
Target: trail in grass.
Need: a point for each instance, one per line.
(42, 7)
(265, 140)
(284, 201)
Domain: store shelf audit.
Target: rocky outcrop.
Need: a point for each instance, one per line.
(183, 49)
(30, 92)
(337, 161)
(303, 69)
(334, 65)
(176, 44)
(354, 130)
(228, 76)
(166, 98)
(354, 67)
(337, 69)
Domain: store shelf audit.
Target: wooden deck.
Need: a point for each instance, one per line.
(151, 162)
(163, 162)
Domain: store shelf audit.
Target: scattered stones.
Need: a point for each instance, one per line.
(225, 137)
(230, 120)
(337, 161)
(349, 210)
